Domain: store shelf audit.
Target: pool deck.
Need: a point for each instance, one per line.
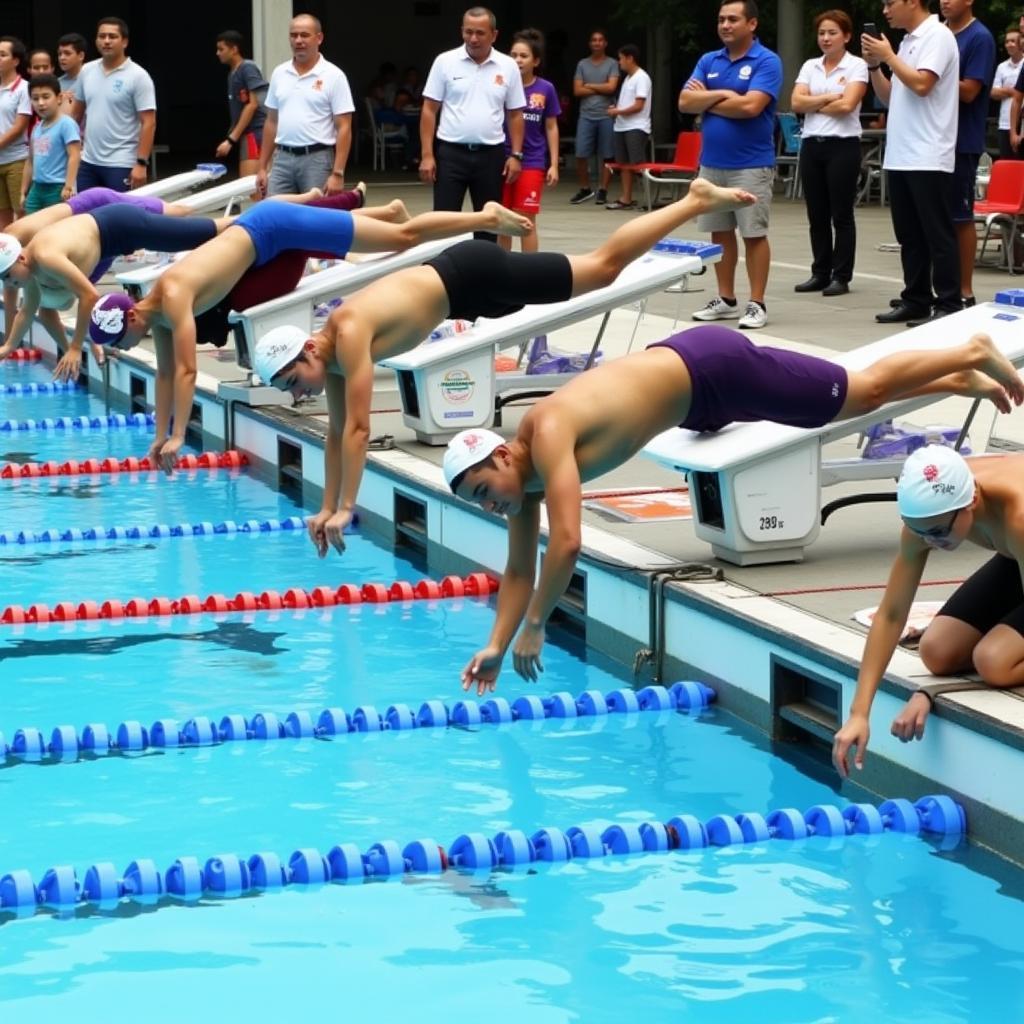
(845, 569)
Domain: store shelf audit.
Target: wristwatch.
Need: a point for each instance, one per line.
(142, 161)
(517, 156)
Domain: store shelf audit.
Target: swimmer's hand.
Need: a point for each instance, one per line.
(99, 353)
(909, 723)
(165, 456)
(6, 350)
(325, 530)
(526, 652)
(69, 365)
(482, 670)
(854, 733)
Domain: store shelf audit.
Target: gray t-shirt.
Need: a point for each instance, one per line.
(594, 108)
(112, 103)
(245, 81)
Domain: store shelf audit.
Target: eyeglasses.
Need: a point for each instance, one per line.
(936, 532)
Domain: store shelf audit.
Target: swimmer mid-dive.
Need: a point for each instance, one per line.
(700, 379)
(46, 303)
(396, 313)
(201, 280)
(945, 500)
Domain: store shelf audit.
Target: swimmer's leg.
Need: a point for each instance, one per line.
(631, 240)
(369, 235)
(925, 372)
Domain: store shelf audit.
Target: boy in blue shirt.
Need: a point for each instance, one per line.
(55, 148)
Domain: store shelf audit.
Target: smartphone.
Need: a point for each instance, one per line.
(871, 29)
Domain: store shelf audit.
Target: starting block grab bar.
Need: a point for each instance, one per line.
(756, 487)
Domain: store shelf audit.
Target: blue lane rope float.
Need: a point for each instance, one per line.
(93, 533)
(188, 880)
(50, 387)
(96, 740)
(115, 421)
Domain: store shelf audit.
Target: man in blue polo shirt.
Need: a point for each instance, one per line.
(735, 89)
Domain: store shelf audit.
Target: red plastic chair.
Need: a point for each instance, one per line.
(681, 171)
(1004, 204)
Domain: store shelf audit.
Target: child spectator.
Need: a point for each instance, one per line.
(632, 113)
(55, 148)
(540, 136)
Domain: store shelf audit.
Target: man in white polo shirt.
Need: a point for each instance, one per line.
(120, 101)
(923, 98)
(308, 131)
(473, 88)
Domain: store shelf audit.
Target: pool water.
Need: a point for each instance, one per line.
(863, 929)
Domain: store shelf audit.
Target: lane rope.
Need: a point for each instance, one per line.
(230, 459)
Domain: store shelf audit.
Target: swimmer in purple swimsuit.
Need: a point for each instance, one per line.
(704, 378)
(48, 304)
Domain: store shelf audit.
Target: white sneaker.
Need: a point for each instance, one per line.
(754, 317)
(718, 309)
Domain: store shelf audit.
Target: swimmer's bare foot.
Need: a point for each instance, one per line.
(397, 212)
(507, 222)
(975, 384)
(990, 360)
(713, 197)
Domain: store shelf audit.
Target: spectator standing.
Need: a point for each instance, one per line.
(40, 62)
(736, 89)
(247, 89)
(632, 127)
(1003, 83)
(119, 98)
(15, 118)
(540, 138)
(71, 58)
(920, 155)
(309, 118)
(469, 93)
(55, 149)
(829, 92)
(977, 49)
(594, 84)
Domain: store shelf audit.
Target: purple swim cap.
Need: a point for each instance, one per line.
(108, 320)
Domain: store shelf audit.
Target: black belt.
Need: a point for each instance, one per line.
(830, 138)
(472, 146)
(304, 150)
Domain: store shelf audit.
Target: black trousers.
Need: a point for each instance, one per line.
(920, 202)
(1006, 151)
(829, 167)
(460, 169)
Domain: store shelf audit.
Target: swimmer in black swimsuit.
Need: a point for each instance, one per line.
(945, 500)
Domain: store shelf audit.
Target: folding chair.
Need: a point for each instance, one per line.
(1004, 204)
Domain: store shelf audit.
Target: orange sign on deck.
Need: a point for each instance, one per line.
(643, 505)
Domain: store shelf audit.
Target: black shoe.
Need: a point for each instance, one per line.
(835, 288)
(936, 314)
(969, 300)
(812, 284)
(902, 313)
(582, 196)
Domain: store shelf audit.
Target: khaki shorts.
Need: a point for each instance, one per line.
(10, 184)
(751, 220)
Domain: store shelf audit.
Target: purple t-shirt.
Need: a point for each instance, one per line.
(541, 103)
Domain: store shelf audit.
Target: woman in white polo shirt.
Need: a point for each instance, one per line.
(828, 92)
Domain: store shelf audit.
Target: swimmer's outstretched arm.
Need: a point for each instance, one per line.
(87, 295)
(179, 348)
(334, 390)
(883, 636)
(513, 598)
(23, 319)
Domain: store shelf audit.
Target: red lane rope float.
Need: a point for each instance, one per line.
(24, 355)
(476, 584)
(208, 460)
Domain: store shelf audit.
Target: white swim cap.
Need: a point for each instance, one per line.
(55, 298)
(467, 448)
(10, 250)
(935, 479)
(276, 349)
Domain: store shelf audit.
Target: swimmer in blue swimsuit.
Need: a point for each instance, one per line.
(46, 303)
(202, 279)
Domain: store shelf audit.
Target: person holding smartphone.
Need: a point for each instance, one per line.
(828, 92)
